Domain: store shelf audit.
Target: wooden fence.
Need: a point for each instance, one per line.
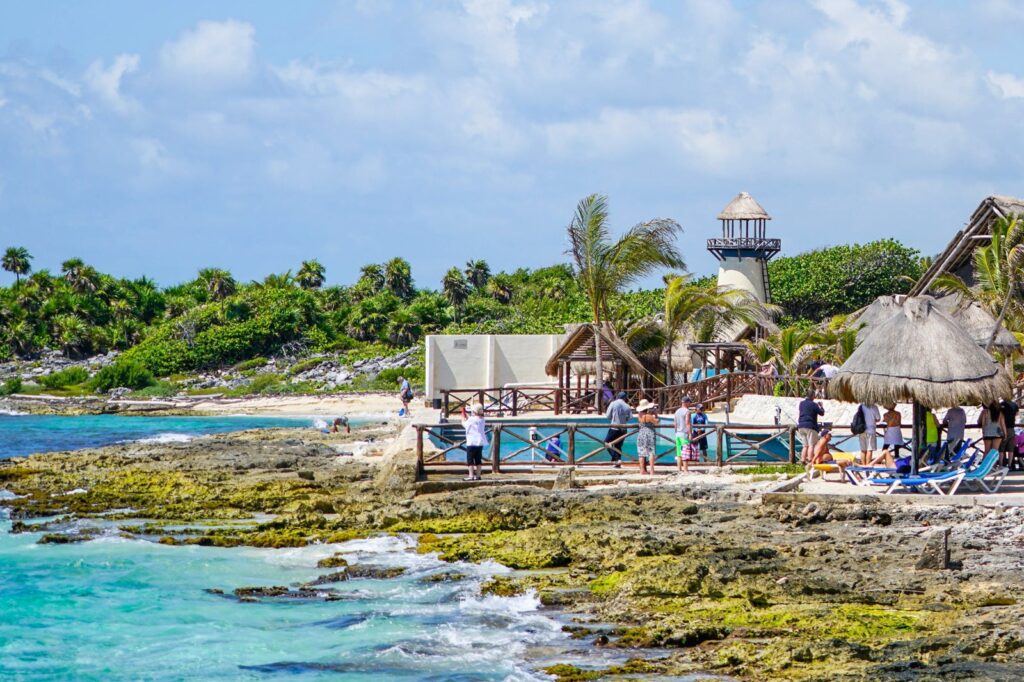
(514, 401)
(583, 444)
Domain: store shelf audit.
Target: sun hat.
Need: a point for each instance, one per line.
(645, 405)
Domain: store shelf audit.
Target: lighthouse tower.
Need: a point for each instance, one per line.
(743, 250)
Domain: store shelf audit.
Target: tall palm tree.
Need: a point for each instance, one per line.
(789, 349)
(604, 267)
(398, 278)
(705, 315)
(998, 274)
(219, 283)
(17, 260)
(404, 329)
(455, 288)
(84, 279)
(478, 272)
(311, 274)
(500, 288)
(373, 275)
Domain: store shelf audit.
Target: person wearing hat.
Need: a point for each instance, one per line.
(619, 413)
(686, 451)
(476, 440)
(647, 437)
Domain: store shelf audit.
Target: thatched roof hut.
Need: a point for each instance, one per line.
(580, 347)
(921, 355)
(972, 317)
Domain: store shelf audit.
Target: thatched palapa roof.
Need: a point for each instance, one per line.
(579, 346)
(972, 317)
(977, 232)
(919, 354)
(743, 207)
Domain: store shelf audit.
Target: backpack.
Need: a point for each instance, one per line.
(858, 425)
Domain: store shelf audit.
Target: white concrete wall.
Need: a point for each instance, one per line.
(743, 273)
(487, 360)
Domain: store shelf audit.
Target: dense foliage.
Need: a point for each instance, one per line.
(215, 321)
(816, 285)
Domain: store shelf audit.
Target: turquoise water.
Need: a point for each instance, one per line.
(117, 609)
(26, 434)
(590, 436)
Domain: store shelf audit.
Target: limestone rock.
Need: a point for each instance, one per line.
(935, 555)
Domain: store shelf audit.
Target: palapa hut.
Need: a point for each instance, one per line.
(580, 350)
(920, 355)
(970, 316)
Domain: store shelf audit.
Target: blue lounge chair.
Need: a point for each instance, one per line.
(934, 482)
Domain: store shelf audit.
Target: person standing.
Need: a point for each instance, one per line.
(954, 423)
(647, 437)
(686, 451)
(869, 438)
(1009, 409)
(619, 413)
(992, 426)
(893, 441)
(698, 420)
(405, 395)
(807, 425)
(476, 441)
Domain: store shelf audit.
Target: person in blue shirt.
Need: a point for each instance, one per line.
(697, 420)
(404, 394)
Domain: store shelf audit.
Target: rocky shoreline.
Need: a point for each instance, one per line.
(693, 579)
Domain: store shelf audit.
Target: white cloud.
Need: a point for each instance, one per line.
(214, 54)
(106, 82)
(152, 156)
(1006, 85)
(489, 28)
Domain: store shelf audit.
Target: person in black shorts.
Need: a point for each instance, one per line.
(1009, 445)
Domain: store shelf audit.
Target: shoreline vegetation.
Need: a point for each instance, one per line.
(79, 331)
(685, 576)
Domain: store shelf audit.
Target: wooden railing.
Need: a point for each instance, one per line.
(722, 388)
(583, 444)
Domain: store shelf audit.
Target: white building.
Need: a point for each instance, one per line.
(487, 360)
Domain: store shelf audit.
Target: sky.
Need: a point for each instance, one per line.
(160, 138)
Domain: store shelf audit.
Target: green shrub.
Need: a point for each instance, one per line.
(258, 361)
(162, 389)
(65, 377)
(303, 365)
(123, 374)
(12, 385)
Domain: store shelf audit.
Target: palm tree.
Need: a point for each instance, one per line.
(455, 288)
(83, 278)
(73, 334)
(500, 287)
(404, 329)
(373, 275)
(706, 315)
(789, 349)
(283, 281)
(219, 283)
(998, 273)
(18, 260)
(398, 278)
(477, 273)
(311, 274)
(604, 267)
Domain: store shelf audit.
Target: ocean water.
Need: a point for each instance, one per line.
(118, 609)
(26, 434)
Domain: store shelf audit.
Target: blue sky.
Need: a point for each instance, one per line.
(158, 138)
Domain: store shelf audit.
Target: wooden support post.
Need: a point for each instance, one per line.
(720, 445)
(421, 473)
(570, 451)
(496, 450)
(792, 445)
(447, 410)
(515, 401)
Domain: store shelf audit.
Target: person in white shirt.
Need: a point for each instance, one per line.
(476, 441)
(869, 439)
